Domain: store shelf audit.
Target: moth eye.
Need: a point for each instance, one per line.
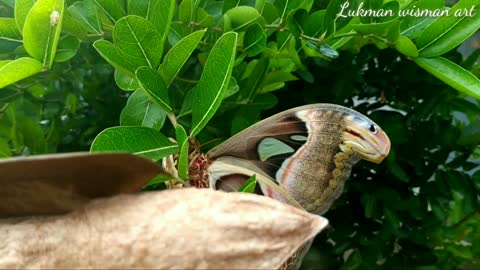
(373, 129)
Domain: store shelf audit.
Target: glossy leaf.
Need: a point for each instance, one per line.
(142, 112)
(139, 39)
(22, 7)
(334, 18)
(406, 46)
(154, 86)
(447, 33)
(86, 13)
(451, 74)
(32, 133)
(4, 149)
(370, 5)
(391, 10)
(255, 40)
(286, 6)
(115, 57)
(390, 31)
(141, 141)
(126, 82)
(241, 17)
(182, 141)
(187, 11)
(213, 83)
(178, 55)
(413, 26)
(312, 24)
(42, 28)
(276, 78)
(67, 48)
(252, 83)
(9, 31)
(18, 69)
(8, 3)
(204, 19)
(249, 185)
(73, 26)
(158, 12)
(113, 9)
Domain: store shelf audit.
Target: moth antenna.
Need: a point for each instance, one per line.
(209, 142)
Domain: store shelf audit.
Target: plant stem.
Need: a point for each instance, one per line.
(172, 119)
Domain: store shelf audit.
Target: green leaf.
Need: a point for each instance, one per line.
(390, 31)
(140, 141)
(178, 55)
(213, 82)
(113, 9)
(115, 57)
(67, 48)
(178, 31)
(253, 81)
(154, 86)
(397, 171)
(335, 19)
(126, 82)
(391, 9)
(406, 47)
(73, 26)
(22, 7)
(8, 46)
(42, 28)
(158, 180)
(139, 7)
(276, 78)
(312, 24)
(18, 69)
(232, 88)
(446, 33)
(470, 134)
(32, 133)
(476, 179)
(9, 3)
(249, 185)
(255, 40)
(142, 112)
(370, 5)
(158, 12)
(186, 11)
(451, 74)
(182, 141)
(4, 149)
(204, 19)
(241, 17)
(413, 26)
(86, 14)
(286, 6)
(139, 39)
(9, 31)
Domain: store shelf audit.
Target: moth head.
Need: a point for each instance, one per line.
(365, 138)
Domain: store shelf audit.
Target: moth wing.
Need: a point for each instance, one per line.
(294, 147)
(227, 166)
(58, 183)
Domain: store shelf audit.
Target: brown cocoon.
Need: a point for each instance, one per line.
(181, 229)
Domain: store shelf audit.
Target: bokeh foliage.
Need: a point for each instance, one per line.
(155, 67)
